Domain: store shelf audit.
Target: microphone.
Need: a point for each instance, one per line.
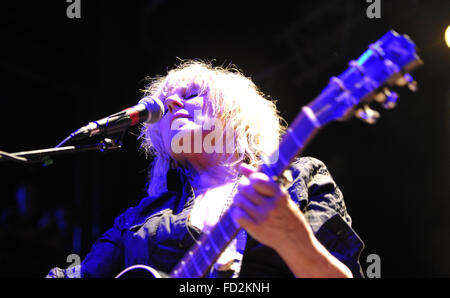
(148, 110)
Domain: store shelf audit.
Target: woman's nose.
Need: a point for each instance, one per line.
(174, 101)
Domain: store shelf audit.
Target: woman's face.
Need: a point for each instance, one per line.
(181, 126)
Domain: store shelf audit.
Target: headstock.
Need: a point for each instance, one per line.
(369, 78)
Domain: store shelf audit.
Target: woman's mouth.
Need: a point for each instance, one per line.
(178, 115)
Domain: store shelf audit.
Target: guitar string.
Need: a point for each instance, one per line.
(228, 202)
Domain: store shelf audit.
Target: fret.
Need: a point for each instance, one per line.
(193, 273)
(185, 269)
(194, 262)
(284, 161)
(180, 270)
(295, 139)
(174, 273)
(320, 104)
(234, 224)
(225, 235)
(270, 169)
(311, 116)
(202, 260)
(205, 255)
(216, 249)
(229, 224)
(286, 152)
(297, 142)
(217, 237)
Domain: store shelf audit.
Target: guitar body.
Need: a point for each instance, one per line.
(141, 271)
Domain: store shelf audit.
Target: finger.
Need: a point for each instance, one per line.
(264, 185)
(249, 207)
(246, 169)
(248, 191)
(260, 181)
(242, 218)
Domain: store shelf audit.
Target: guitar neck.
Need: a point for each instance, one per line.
(208, 248)
(297, 136)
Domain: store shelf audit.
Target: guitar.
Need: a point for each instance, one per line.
(386, 63)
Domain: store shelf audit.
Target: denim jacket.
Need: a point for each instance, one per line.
(157, 233)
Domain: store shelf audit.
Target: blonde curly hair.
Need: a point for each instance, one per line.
(230, 97)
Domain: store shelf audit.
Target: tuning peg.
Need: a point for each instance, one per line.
(380, 97)
(391, 99)
(413, 86)
(402, 80)
(407, 79)
(367, 114)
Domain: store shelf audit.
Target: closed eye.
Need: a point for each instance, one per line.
(191, 96)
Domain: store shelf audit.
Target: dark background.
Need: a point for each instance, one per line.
(58, 74)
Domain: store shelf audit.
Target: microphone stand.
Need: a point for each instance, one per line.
(43, 155)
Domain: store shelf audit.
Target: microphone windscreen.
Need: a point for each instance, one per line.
(155, 108)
